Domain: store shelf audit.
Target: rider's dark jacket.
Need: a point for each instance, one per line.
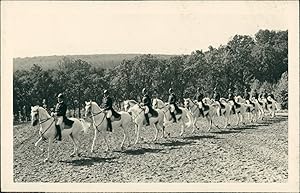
(107, 103)
(246, 96)
(217, 96)
(271, 95)
(230, 96)
(255, 95)
(172, 99)
(199, 96)
(61, 109)
(147, 101)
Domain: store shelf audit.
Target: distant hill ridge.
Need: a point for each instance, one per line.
(97, 60)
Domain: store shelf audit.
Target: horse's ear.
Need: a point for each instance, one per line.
(86, 102)
(31, 107)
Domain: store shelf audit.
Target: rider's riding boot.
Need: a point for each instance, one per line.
(147, 119)
(173, 116)
(58, 130)
(109, 126)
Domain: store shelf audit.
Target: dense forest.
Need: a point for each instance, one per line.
(258, 63)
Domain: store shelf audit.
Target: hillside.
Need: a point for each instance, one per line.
(98, 60)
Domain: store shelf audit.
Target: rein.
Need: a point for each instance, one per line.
(195, 105)
(44, 121)
(134, 118)
(94, 122)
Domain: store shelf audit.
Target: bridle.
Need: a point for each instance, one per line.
(95, 114)
(135, 117)
(44, 121)
(195, 105)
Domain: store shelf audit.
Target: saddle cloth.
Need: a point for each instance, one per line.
(152, 113)
(67, 123)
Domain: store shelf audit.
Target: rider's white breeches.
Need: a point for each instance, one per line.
(146, 109)
(59, 120)
(172, 108)
(108, 114)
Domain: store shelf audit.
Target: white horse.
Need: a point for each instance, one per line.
(252, 109)
(99, 122)
(231, 107)
(39, 116)
(200, 111)
(186, 117)
(138, 117)
(259, 111)
(270, 105)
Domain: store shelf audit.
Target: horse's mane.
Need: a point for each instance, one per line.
(132, 101)
(37, 107)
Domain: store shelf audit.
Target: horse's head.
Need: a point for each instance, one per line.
(157, 103)
(207, 101)
(88, 108)
(128, 104)
(38, 113)
(187, 102)
(34, 115)
(238, 99)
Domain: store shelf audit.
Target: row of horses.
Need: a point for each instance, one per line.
(133, 118)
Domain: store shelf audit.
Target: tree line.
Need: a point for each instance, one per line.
(244, 62)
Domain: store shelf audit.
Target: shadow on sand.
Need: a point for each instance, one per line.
(88, 161)
(141, 151)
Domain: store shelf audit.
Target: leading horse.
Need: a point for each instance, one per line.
(39, 116)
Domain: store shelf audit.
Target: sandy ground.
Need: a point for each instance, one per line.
(255, 152)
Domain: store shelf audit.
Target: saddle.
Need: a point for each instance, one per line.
(68, 123)
(116, 115)
(177, 110)
(153, 112)
(204, 108)
(269, 102)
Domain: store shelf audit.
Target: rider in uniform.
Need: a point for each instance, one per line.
(60, 113)
(146, 103)
(199, 96)
(231, 98)
(107, 105)
(246, 96)
(172, 101)
(255, 94)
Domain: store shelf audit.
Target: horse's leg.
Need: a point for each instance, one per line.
(124, 138)
(94, 140)
(49, 149)
(37, 144)
(163, 130)
(182, 127)
(137, 134)
(194, 125)
(226, 120)
(209, 122)
(75, 145)
(105, 141)
(156, 132)
(238, 118)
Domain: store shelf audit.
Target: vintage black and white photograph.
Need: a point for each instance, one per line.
(149, 92)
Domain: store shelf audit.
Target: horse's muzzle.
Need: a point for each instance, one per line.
(34, 123)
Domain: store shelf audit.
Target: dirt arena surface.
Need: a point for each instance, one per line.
(255, 152)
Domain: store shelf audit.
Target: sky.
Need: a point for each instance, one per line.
(42, 28)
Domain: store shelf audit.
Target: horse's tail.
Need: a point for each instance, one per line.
(190, 118)
(85, 125)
